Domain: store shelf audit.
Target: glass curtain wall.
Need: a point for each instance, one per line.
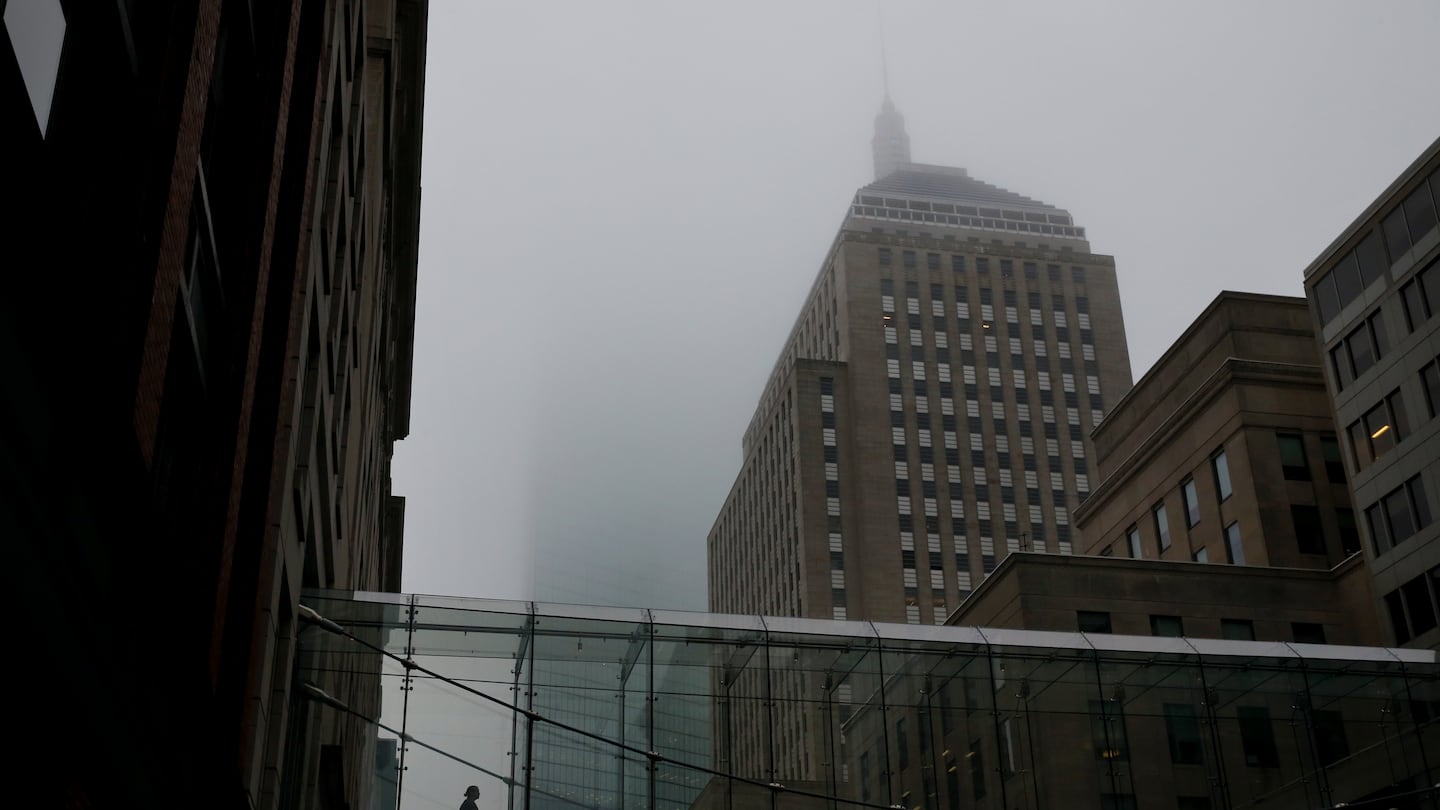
(550, 706)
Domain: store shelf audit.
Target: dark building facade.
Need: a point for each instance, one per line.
(206, 333)
(1375, 297)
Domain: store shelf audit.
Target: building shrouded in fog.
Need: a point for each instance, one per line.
(930, 410)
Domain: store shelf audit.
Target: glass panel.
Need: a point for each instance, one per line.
(1372, 258)
(1132, 536)
(1347, 279)
(1233, 548)
(1398, 417)
(1413, 301)
(1430, 280)
(1379, 532)
(1418, 605)
(1380, 434)
(1430, 381)
(1222, 475)
(1326, 299)
(1419, 213)
(1340, 362)
(1398, 516)
(1192, 502)
(1293, 462)
(1419, 501)
(1168, 626)
(1379, 335)
(1362, 355)
(1360, 444)
(1397, 235)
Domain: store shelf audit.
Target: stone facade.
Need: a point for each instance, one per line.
(1236, 396)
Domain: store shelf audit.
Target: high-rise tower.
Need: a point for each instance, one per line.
(931, 409)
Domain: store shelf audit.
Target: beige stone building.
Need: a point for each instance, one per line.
(930, 411)
(1225, 451)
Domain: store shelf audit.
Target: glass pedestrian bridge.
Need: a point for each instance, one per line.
(566, 707)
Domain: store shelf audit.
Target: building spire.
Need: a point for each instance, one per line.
(891, 145)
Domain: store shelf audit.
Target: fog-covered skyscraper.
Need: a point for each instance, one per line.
(930, 410)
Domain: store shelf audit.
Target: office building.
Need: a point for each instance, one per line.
(207, 333)
(1375, 298)
(1225, 450)
(930, 411)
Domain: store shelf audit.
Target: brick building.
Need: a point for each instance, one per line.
(207, 335)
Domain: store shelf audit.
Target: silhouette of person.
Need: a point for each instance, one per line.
(471, 794)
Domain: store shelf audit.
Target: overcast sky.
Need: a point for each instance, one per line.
(626, 202)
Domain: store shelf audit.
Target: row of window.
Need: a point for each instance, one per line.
(1364, 346)
(1295, 466)
(1098, 621)
(909, 259)
(1411, 221)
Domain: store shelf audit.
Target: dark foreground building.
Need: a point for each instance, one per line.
(206, 337)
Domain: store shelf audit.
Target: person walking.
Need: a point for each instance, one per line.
(471, 794)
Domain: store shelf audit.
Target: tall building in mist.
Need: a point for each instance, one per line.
(930, 411)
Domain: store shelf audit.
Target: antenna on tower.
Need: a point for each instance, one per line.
(884, 58)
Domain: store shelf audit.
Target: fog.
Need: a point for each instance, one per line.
(625, 204)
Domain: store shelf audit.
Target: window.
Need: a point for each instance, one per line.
(1293, 464)
(1200, 555)
(884, 257)
(1362, 352)
(1430, 383)
(1191, 501)
(1168, 626)
(1379, 430)
(1221, 466)
(1182, 728)
(1307, 632)
(1409, 222)
(1417, 603)
(1237, 629)
(1334, 465)
(909, 258)
(1162, 526)
(1309, 537)
(1413, 298)
(1093, 621)
(1401, 513)
(1341, 364)
(1233, 549)
(1411, 609)
(1257, 737)
(1132, 536)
